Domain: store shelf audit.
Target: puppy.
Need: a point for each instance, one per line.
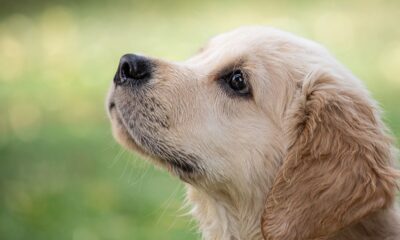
(273, 137)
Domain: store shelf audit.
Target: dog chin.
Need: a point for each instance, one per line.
(185, 171)
(123, 137)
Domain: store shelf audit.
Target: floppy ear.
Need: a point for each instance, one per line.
(338, 166)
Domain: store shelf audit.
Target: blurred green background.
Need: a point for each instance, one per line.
(61, 174)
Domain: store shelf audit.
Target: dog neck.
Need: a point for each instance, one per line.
(222, 217)
(227, 212)
(232, 209)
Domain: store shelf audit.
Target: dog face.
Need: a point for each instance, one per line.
(263, 117)
(212, 117)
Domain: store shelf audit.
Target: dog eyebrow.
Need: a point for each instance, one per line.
(237, 64)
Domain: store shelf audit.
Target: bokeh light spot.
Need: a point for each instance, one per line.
(12, 58)
(389, 64)
(25, 120)
(59, 33)
(335, 28)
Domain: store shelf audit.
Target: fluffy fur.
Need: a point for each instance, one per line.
(305, 157)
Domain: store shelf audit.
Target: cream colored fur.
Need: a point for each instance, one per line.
(306, 157)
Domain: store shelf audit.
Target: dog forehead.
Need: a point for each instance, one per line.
(228, 48)
(241, 36)
(254, 39)
(239, 43)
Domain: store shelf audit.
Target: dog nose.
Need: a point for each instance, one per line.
(133, 68)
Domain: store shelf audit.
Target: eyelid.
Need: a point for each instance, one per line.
(232, 73)
(237, 71)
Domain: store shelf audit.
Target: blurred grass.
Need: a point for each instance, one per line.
(61, 174)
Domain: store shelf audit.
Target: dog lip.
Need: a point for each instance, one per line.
(111, 106)
(183, 167)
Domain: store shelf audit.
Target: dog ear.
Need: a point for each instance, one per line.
(338, 166)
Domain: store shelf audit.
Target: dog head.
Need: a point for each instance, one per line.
(261, 110)
(201, 118)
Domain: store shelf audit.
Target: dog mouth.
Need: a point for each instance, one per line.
(175, 160)
(111, 106)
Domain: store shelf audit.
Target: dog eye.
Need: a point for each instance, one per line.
(237, 82)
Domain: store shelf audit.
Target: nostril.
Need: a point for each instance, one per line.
(125, 72)
(133, 69)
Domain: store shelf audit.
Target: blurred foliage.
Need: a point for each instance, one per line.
(62, 176)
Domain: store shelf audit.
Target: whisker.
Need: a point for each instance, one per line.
(167, 203)
(116, 158)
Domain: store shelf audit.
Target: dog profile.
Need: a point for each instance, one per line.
(272, 136)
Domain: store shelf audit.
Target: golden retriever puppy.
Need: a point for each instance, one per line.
(273, 137)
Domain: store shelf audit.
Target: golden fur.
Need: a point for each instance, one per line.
(305, 157)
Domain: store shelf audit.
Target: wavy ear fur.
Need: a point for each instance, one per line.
(338, 168)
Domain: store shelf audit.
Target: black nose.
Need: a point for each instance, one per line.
(133, 69)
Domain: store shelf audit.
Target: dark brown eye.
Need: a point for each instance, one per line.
(238, 83)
